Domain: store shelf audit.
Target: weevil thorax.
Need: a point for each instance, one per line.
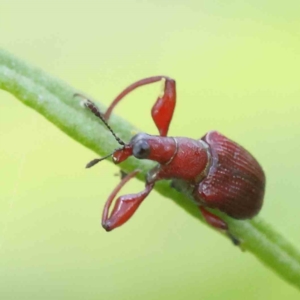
(178, 157)
(191, 163)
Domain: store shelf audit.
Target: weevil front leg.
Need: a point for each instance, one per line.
(162, 110)
(125, 206)
(219, 224)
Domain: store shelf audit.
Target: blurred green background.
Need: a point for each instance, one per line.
(237, 67)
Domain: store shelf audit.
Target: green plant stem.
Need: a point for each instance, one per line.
(54, 100)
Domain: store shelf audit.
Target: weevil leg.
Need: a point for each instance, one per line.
(162, 110)
(125, 206)
(219, 224)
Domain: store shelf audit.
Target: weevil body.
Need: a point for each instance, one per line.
(216, 171)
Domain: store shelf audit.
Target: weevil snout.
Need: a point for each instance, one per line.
(153, 147)
(122, 154)
(138, 146)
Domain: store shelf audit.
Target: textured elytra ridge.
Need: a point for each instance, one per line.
(236, 182)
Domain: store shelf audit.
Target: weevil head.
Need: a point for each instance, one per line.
(146, 146)
(138, 146)
(141, 146)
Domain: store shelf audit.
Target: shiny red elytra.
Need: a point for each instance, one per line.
(216, 171)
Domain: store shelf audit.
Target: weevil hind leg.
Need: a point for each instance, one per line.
(219, 224)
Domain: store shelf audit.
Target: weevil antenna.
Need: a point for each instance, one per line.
(96, 160)
(95, 110)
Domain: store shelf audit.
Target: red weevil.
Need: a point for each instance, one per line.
(217, 172)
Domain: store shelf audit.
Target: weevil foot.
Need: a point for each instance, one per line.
(236, 241)
(220, 225)
(233, 238)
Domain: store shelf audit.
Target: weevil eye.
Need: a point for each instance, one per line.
(141, 149)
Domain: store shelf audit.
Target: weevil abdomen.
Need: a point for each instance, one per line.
(235, 183)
